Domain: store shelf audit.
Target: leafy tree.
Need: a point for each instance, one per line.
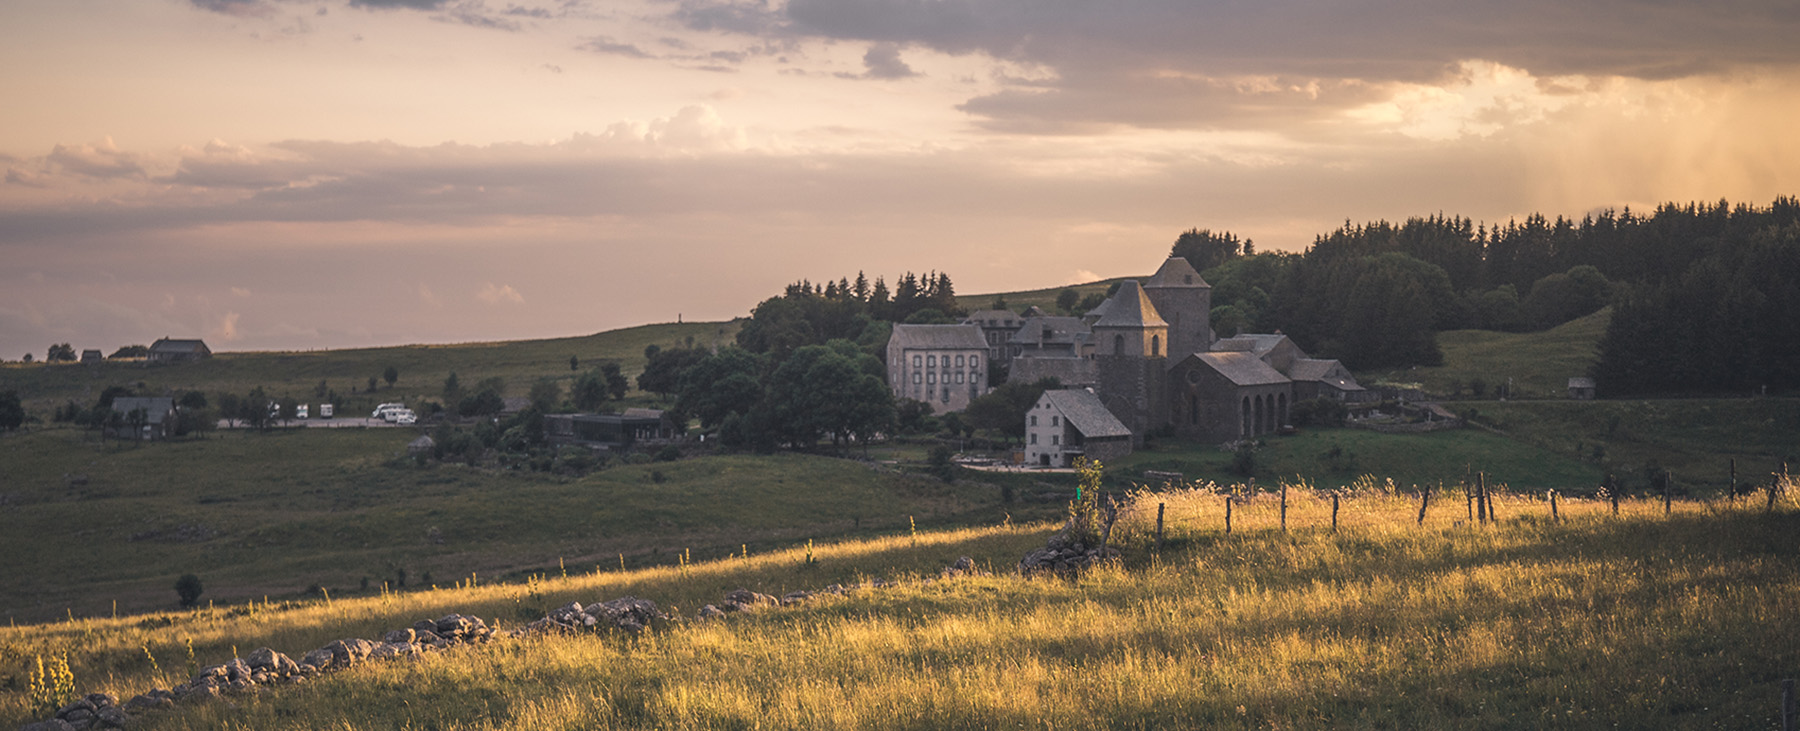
(722, 383)
(1067, 299)
(131, 351)
(320, 390)
(1204, 249)
(27, 358)
(487, 399)
(453, 391)
(60, 353)
(188, 588)
(588, 392)
(929, 316)
(663, 367)
(1003, 409)
(12, 411)
(391, 374)
(231, 407)
(574, 363)
(828, 391)
(372, 381)
(545, 394)
(616, 384)
(1089, 302)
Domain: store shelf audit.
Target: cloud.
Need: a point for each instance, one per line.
(883, 62)
(404, 4)
(104, 160)
(240, 8)
(240, 292)
(607, 45)
(503, 294)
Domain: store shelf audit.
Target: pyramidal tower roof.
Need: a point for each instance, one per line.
(1176, 272)
(1131, 308)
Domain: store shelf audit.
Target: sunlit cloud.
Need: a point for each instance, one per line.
(503, 294)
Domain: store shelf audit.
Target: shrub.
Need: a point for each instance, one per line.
(188, 588)
(669, 453)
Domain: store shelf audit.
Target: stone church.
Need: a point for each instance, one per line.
(1148, 354)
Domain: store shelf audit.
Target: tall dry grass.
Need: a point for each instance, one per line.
(1643, 620)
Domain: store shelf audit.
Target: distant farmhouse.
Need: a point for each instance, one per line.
(143, 417)
(168, 350)
(1147, 355)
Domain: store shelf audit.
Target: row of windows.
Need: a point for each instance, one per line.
(932, 377)
(1055, 420)
(931, 361)
(920, 394)
(1055, 439)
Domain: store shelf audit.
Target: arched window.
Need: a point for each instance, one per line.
(1118, 345)
(1248, 413)
(1281, 410)
(1155, 345)
(1261, 424)
(1193, 409)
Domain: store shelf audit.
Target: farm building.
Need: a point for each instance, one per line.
(168, 350)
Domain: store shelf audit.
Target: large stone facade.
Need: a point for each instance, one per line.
(942, 365)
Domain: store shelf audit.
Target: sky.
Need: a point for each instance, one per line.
(305, 174)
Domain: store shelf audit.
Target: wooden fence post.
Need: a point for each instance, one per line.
(1555, 517)
(1334, 509)
(1733, 493)
(1787, 705)
(1612, 492)
(1159, 526)
(1228, 515)
(1424, 501)
(1284, 507)
(1481, 497)
(1668, 480)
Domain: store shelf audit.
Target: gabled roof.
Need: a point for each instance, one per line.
(1320, 370)
(1176, 272)
(1032, 311)
(638, 412)
(1099, 310)
(1131, 308)
(1241, 368)
(1085, 412)
(999, 318)
(1062, 330)
(936, 337)
(1258, 343)
(167, 345)
(155, 407)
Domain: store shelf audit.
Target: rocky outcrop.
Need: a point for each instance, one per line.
(625, 614)
(1064, 555)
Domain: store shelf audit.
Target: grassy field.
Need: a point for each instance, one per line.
(271, 514)
(1044, 299)
(1329, 458)
(1637, 621)
(1696, 439)
(1539, 364)
(422, 368)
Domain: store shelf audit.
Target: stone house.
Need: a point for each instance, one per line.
(942, 365)
(159, 416)
(1581, 388)
(168, 350)
(1070, 423)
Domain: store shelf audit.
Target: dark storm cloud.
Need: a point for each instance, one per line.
(1179, 63)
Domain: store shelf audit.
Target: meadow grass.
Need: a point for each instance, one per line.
(1640, 620)
(271, 514)
(1539, 364)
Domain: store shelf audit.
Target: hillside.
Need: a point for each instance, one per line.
(1539, 364)
(422, 368)
(84, 524)
(1641, 621)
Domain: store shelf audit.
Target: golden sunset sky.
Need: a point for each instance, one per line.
(275, 174)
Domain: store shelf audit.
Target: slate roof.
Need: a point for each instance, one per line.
(155, 407)
(998, 318)
(167, 345)
(1062, 330)
(1085, 412)
(1258, 343)
(1131, 308)
(1242, 368)
(1176, 272)
(936, 337)
(1315, 369)
(1099, 310)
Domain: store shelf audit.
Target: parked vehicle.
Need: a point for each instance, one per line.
(325, 411)
(405, 417)
(381, 412)
(300, 411)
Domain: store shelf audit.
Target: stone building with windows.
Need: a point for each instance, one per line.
(942, 365)
(1070, 423)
